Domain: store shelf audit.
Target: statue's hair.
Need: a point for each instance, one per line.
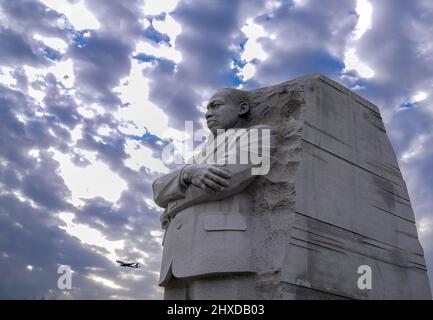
(238, 96)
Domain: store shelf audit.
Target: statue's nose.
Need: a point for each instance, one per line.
(208, 114)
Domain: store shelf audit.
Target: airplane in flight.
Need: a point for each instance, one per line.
(128, 264)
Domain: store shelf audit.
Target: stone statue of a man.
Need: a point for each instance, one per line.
(208, 242)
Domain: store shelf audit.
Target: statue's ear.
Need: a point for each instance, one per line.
(243, 108)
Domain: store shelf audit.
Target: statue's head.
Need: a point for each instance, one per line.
(228, 108)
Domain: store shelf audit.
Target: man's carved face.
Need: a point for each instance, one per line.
(222, 112)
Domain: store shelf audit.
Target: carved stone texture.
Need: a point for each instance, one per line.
(333, 201)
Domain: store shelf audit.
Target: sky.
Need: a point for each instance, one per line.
(92, 90)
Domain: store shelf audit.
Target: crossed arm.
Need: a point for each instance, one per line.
(175, 193)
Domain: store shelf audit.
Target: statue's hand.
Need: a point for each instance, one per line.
(209, 177)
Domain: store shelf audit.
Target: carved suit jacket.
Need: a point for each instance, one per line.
(208, 233)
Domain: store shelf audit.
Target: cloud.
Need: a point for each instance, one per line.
(206, 63)
(91, 63)
(40, 112)
(15, 49)
(303, 38)
(91, 92)
(76, 13)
